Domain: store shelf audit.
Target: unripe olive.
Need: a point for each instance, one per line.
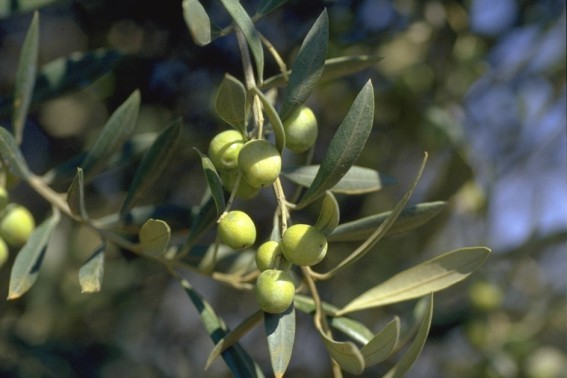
(300, 130)
(3, 252)
(244, 191)
(303, 245)
(237, 230)
(274, 290)
(267, 257)
(4, 197)
(260, 163)
(16, 225)
(224, 149)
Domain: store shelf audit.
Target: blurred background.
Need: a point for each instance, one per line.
(479, 84)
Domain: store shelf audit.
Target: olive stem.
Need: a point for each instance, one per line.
(280, 62)
(320, 314)
(250, 82)
(282, 204)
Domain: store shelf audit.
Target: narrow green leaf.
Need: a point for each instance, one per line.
(383, 229)
(12, 156)
(118, 127)
(335, 68)
(230, 103)
(275, 120)
(267, 6)
(76, 196)
(345, 353)
(28, 261)
(354, 329)
(415, 348)
(67, 74)
(214, 182)
(280, 333)
(10, 8)
(382, 345)
(234, 335)
(202, 218)
(197, 21)
(428, 277)
(25, 78)
(235, 357)
(245, 24)
(357, 180)
(154, 237)
(308, 66)
(329, 215)
(131, 150)
(345, 147)
(92, 272)
(155, 161)
(411, 217)
(350, 327)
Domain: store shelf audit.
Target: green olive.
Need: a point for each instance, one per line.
(4, 252)
(224, 149)
(244, 191)
(303, 245)
(274, 290)
(267, 257)
(237, 230)
(300, 130)
(16, 225)
(260, 163)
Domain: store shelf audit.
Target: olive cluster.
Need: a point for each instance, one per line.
(16, 225)
(258, 162)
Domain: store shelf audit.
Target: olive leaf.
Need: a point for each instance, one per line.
(92, 272)
(76, 196)
(274, 118)
(12, 7)
(154, 237)
(29, 259)
(25, 78)
(235, 357)
(151, 168)
(197, 21)
(383, 344)
(307, 67)
(245, 24)
(280, 333)
(118, 127)
(411, 217)
(131, 150)
(11, 155)
(66, 74)
(345, 147)
(334, 68)
(382, 230)
(230, 103)
(203, 217)
(214, 182)
(329, 215)
(233, 336)
(354, 329)
(267, 6)
(428, 277)
(345, 353)
(350, 327)
(414, 350)
(357, 180)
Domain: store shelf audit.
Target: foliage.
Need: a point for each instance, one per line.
(242, 104)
